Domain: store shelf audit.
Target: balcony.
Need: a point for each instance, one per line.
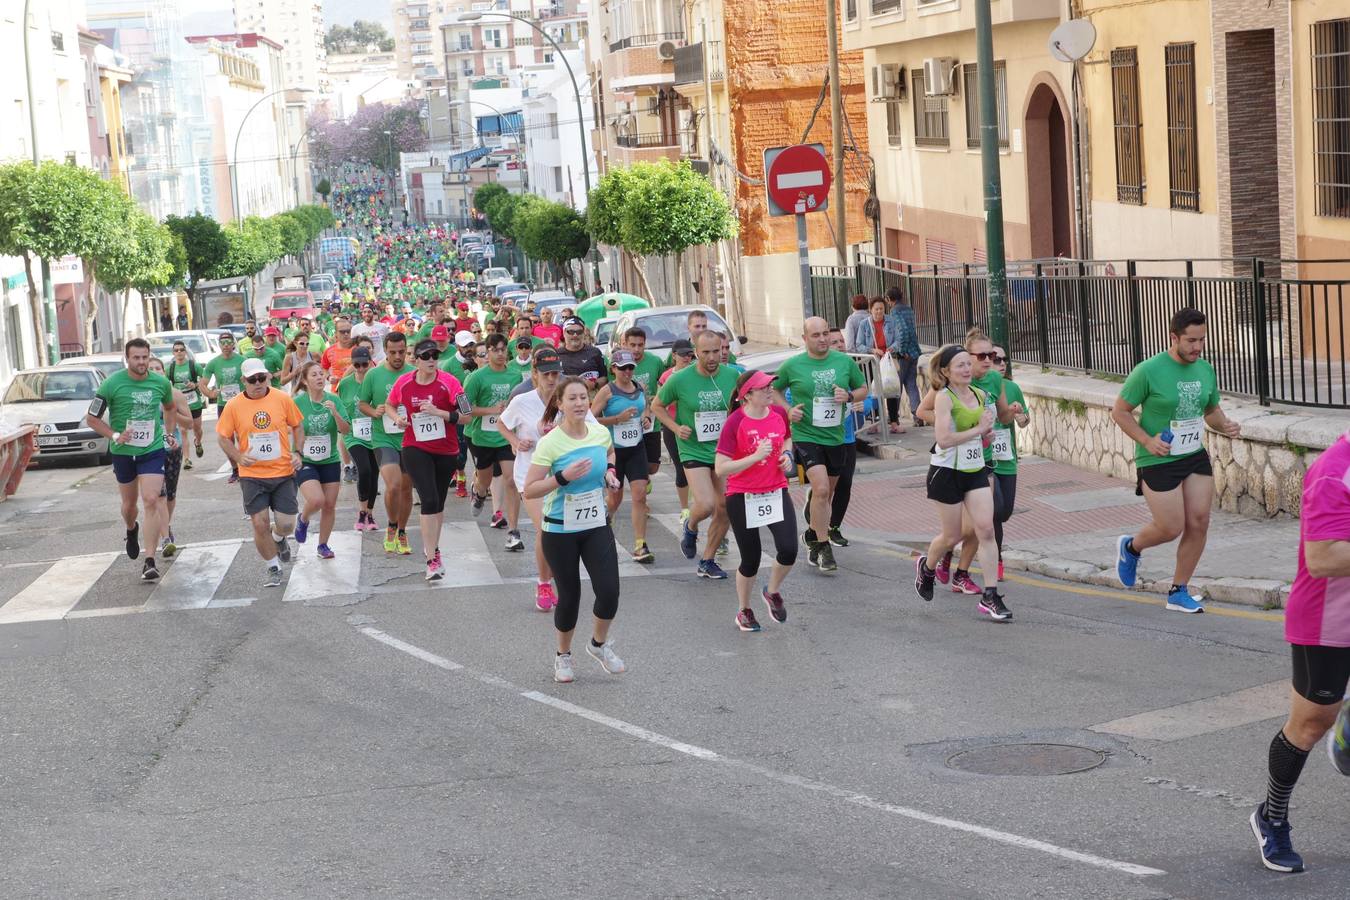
(635, 60)
(645, 141)
(689, 63)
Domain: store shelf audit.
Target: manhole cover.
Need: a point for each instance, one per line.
(1027, 759)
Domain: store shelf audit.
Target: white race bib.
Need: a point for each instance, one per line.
(627, 434)
(708, 424)
(490, 423)
(190, 394)
(390, 426)
(228, 392)
(427, 427)
(763, 509)
(967, 457)
(1002, 445)
(361, 428)
(317, 446)
(1186, 436)
(265, 445)
(140, 432)
(584, 511)
(826, 412)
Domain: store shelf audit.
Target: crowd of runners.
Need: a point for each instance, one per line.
(416, 384)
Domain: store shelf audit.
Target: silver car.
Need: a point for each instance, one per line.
(55, 400)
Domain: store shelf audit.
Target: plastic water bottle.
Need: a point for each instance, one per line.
(1165, 435)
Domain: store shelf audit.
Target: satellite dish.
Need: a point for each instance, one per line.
(1072, 40)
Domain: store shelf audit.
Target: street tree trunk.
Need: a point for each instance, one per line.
(35, 308)
(640, 266)
(90, 306)
(679, 278)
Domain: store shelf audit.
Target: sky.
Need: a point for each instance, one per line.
(217, 16)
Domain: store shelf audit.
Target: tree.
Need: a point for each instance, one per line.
(483, 196)
(362, 138)
(150, 261)
(204, 246)
(252, 245)
(324, 188)
(356, 38)
(552, 232)
(293, 231)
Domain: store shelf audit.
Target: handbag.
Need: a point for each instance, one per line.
(890, 376)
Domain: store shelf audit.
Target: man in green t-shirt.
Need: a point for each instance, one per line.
(138, 403)
(222, 380)
(387, 439)
(1177, 394)
(702, 396)
(822, 381)
(273, 353)
(648, 374)
(183, 372)
(489, 390)
(523, 360)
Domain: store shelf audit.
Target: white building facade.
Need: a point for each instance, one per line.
(298, 26)
(555, 152)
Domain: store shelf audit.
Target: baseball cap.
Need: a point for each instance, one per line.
(361, 355)
(463, 305)
(525, 341)
(546, 360)
(423, 346)
(572, 322)
(464, 339)
(623, 359)
(225, 336)
(682, 346)
(253, 367)
(440, 333)
(273, 330)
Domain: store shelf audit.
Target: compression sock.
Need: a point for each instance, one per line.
(1129, 547)
(597, 644)
(1286, 763)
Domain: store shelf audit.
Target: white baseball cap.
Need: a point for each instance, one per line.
(253, 367)
(464, 338)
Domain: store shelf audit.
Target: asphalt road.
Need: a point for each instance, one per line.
(372, 737)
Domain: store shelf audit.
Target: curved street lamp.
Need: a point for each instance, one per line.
(234, 160)
(581, 115)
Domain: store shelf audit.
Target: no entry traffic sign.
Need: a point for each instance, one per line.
(797, 179)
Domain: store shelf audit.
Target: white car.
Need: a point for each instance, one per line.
(664, 325)
(495, 275)
(202, 345)
(604, 332)
(55, 400)
(106, 363)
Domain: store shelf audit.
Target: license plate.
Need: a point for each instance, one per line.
(54, 440)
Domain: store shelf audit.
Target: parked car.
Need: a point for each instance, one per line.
(516, 298)
(106, 363)
(323, 286)
(768, 361)
(604, 334)
(202, 345)
(495, 275)
(554, 300)
(664, 325)
(505, 288)
(292, 304)
(55, 399)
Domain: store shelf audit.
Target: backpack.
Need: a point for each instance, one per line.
(192, 371)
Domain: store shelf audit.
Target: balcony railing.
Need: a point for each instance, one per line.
(689, 63)
(645, 40)
(635, 141)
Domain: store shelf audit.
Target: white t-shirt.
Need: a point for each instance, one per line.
(375, 331)
(522, 416)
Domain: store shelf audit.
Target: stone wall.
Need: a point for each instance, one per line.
(1257, 474)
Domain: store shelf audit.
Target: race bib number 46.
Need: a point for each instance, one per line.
(265, 445)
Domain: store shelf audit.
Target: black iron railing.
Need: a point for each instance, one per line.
(1272, 337)
(645, 40)
(647, 140)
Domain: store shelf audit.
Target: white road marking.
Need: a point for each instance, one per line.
(819, 787)
(57, 590)
(467, 560)
(191, 579)
(221, 473)
(312, 577)
(1187, 720)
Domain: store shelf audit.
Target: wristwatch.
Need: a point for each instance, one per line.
(117, 437)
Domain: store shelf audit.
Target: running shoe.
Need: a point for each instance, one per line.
(187, 462)
(1274, 842)
(134, 541)
(837, 537)
(606, 657)
(478, 501)
(642, 553)
(684, 516)
(1338, 741)
(544, 598)
(200, 451)
(709, 569)
(371, 524)
(301, 529)
(148, 571)
(944, 568)
(825, 557)
(923, 578)
(962, 583)
(513, 541)
(272, 576)
(435, 571)
(991, 604)
(233, 479)
(562, 668)
(745, 620)
(1180, 600)
(403, 548)
(349, 474)
(284, 550)
(168, 547)
(688, 542)
(724, 548)
(777, 611)
(360, 522)
(460, 490)
(391, 540)
(1127, 563)
(812, 552)
(325, 552)
(498, 520)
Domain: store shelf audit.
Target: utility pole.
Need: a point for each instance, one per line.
(837, 131)
(993, 186)
(48, 289)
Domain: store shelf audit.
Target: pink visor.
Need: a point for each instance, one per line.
(756, 381)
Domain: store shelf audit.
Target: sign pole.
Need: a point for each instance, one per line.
(804, 263)
(993, 189)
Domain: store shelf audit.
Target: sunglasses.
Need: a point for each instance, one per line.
(992, 357)
(429, 355)
(360, 365)
(256, 379)
(572, 332)
(344, 331)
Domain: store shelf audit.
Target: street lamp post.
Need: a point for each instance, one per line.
(234, 160)
(576, 89)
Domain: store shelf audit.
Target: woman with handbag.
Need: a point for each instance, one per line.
(878, 335)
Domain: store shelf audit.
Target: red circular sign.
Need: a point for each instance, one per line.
(799, 174)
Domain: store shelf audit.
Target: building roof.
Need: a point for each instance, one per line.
(246, 39)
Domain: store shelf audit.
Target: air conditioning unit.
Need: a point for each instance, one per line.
(937, 76)
(666, 49)
(888, 82)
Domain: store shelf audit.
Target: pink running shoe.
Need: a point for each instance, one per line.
(435, 570)
(963, 584)
(944, 569)
(544, 598)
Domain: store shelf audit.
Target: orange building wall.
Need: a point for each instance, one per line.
(776, 61)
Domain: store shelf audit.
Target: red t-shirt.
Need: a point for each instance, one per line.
(464, 323)
(551, 333)
(741, 435)
(443, 394)
(879, 333)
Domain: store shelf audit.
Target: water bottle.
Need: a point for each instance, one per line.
(1165, 435)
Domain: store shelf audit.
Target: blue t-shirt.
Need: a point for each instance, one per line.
(556, 451)
(617, 403)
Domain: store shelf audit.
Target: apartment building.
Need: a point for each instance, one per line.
(298, 26)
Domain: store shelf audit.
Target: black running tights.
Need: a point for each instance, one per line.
(1005, 495)
(566, 552)
(367, 474)
(784, 533)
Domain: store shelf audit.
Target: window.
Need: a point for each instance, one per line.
(930, 114)
(1127, 126)
(893, 123)
(1331, 117)
(58, 41)
(523, 41)
(557, 179)
(1183, 157)
(492, 37)
(971, 77)
(850, 10)
(881, 7)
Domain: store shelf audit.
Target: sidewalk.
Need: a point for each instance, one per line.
(1066, 523)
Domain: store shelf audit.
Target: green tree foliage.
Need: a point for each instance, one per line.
(204, 248)
(483, 197)
(552, 232)
(254, 244)
(357, 37)
(293, 232)
(324, 188)
(150, 260)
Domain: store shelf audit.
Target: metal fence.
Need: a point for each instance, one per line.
(1274, 338)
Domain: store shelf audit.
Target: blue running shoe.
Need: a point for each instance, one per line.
(1181, 600)
(1338, 742)
(688, 542)
(1127, 563)
(709, 569)
(301, 529)
(1272, 838)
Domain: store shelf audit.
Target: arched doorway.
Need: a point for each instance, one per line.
(1049, 189)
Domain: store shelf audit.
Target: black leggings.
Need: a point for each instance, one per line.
(367, 474)
(430, 474)
(784, 533)
(566, 552)
(674, 450)
(843, 489)
(1005, 495)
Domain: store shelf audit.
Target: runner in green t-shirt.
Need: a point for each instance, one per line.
(1003, 453)
(822, 381)
(1177, 393)
(702, 396)
(522, 365)
(648, 374)
(358, 438)
(488, 390)
(320, 476)
(184, 372)
(387, 440)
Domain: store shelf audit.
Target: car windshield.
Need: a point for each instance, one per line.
(35, 387)
(194, 342)
(665, 328)
(603, 331)
(295, 302)
(495, 272)
(106, 366)
(320, 284)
